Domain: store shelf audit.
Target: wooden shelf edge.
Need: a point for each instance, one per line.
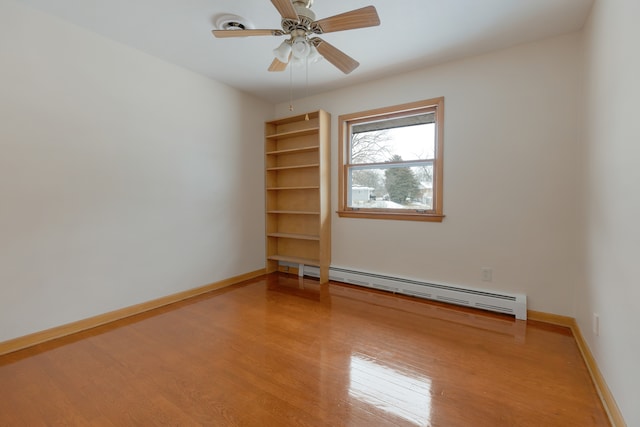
(296, 260)
(293, 212)
(300, 132)
(281, 168)
(293, 188)
(293, 150)
(294, 236)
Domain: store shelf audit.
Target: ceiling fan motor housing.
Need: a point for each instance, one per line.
(306, 18)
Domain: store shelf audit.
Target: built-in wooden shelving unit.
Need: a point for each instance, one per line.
(297, 180)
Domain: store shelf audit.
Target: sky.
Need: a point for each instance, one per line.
(410, 141)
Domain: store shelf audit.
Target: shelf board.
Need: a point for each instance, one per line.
(293, 188)
(290, 134)
(294, 212)
(293, 150)
(296, 260)
(281, 168)
(294, 236)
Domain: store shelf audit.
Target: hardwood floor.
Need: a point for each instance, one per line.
(284, 351)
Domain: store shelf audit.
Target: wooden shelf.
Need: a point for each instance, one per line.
(293, 188)
(282, 168)
(293, 150)
(293, 133)
(293, 236)
(296, 260)
(294, 212)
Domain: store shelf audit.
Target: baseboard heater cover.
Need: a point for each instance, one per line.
(514, 304)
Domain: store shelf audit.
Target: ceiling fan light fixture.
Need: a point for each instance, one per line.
(314, 55)
(283, 51)
(300, 48)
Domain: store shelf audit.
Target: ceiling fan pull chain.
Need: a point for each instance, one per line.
(290, 88)
(306, 89)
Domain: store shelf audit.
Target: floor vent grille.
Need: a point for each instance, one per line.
(514, 304)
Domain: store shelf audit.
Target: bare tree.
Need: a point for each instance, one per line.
(425, 173)
(370, 147)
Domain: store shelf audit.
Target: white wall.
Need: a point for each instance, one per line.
(122, 178)
(510, 175)
(612, 141)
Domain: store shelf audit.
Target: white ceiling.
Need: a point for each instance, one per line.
(412, 34)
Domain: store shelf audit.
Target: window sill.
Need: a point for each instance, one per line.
(401, 216)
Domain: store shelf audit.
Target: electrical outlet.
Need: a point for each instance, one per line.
(487, 274)
(596, 324)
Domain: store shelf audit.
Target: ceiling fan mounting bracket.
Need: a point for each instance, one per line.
(233, 22)
(303, 3)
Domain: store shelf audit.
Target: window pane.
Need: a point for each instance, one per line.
(413, 142)
(391, 187)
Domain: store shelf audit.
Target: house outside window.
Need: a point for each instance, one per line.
(391, 162)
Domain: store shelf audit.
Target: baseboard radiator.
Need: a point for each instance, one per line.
(514, 304)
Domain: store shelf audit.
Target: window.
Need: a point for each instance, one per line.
(391, 162)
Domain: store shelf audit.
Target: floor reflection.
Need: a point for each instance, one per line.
(403, 394)
(476, 319)
(299, 286)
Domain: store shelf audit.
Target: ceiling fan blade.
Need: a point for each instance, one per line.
(277, 65)
(359, 18)
(244, 33)
(285, 8)
(341, 60)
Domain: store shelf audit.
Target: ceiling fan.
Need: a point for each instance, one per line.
(299, 23)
